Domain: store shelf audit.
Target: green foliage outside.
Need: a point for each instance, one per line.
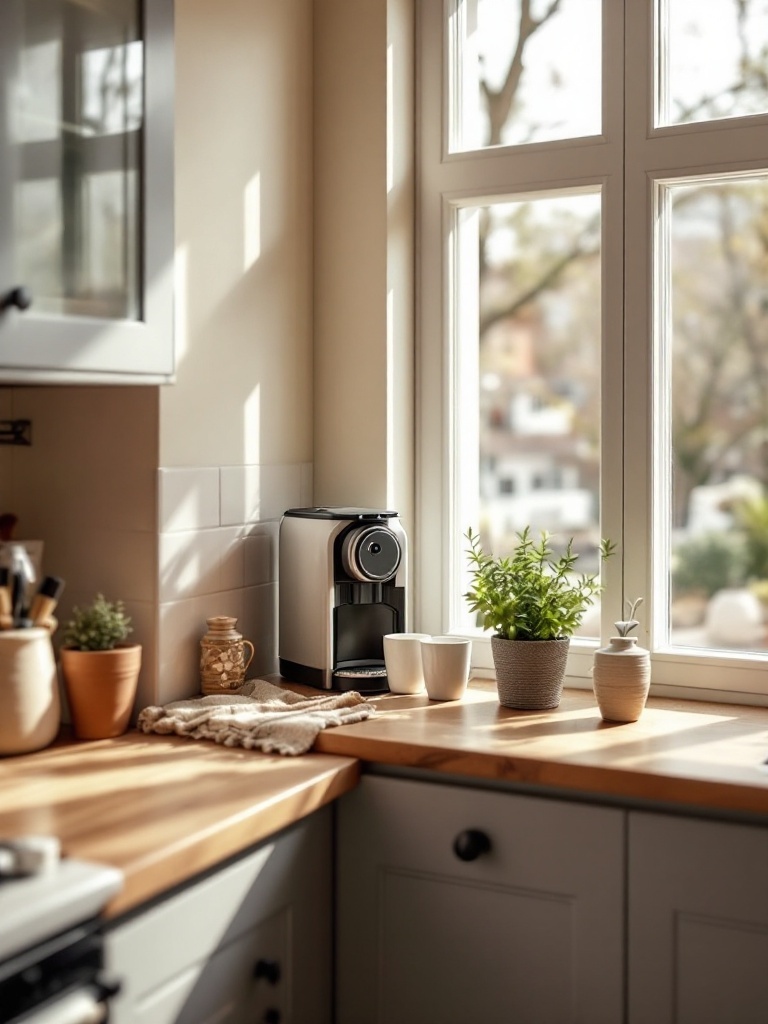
(751, 519)
(529, 595)
(706, 564)
(717, 561)
(99, 627)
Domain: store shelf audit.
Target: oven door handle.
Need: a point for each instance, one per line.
(83, 1006)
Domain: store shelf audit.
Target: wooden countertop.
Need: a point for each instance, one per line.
(161, 809)
(680, 752)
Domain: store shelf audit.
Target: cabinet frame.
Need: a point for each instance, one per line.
(40, 348)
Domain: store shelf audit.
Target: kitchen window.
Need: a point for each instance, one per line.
(593, 212)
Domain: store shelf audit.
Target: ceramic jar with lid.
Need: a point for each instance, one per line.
(224, 656)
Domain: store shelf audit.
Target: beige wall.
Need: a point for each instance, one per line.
(244, 236)
(170, 497)
(364, 250)
(86, 487)
(236, 428)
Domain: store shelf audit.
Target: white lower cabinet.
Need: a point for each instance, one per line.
(698, 921)
(527, 931)
(248, 944)
(457, 905)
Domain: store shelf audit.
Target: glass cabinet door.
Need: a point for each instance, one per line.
(86, 240)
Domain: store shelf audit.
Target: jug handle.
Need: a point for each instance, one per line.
(247, 643)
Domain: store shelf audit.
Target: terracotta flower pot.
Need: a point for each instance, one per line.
(101, 688)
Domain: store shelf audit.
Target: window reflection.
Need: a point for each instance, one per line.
(518, 78)
(715, 64)
(719, 527)
(77, 126)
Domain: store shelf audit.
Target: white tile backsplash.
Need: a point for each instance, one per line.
(231, 557)
(240, 494)
(188, 498)
(252, 494)
(182, 626)
(260, 612)
(280, 489)
(261, 554)
(188, 564)
(218, 555)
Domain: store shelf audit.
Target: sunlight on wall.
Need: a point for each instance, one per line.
(190, 507)
(390, 118)
(391, 487)
(180, 291)
(252, 221)
(252, 426)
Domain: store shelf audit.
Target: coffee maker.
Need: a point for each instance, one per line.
(341, 590)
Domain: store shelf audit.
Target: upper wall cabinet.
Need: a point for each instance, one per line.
(86, 190)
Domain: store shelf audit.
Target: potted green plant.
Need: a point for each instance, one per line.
(533, 602)
(100, 669)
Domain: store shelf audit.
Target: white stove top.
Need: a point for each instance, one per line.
(42, 895)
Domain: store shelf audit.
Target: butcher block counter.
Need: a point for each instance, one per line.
(163, 809)
(680, 753)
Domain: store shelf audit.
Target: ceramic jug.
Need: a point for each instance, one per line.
(30, 707)
(224, 656)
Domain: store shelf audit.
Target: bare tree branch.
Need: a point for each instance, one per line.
(499, 102)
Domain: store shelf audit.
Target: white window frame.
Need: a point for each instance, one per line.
(630, 168)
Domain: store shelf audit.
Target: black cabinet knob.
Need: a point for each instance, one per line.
(19, 297)
(471, 844)
(108, 986)
(272, 1016)
(269, 970)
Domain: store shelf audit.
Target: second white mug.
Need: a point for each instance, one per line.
(445, 660)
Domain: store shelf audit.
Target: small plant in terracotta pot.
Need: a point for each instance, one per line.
(100, 669)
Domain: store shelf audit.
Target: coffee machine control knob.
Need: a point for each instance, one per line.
(371, 554)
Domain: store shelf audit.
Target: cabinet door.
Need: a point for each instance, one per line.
(698, 922)
(251, 942)
(530, 931)
(225, 988)
(86, 171)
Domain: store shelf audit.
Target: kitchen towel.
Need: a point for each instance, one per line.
(258, 715)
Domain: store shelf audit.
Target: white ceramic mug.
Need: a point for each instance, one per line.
(402, 657)
(445, 660)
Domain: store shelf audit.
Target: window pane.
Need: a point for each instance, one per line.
(719, 418)
(518, 78)
(716, 61)
(539, 375)
(77, 133)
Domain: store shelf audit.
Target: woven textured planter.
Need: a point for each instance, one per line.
(530, 673)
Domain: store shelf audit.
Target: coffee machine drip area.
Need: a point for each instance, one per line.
(342, 588)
